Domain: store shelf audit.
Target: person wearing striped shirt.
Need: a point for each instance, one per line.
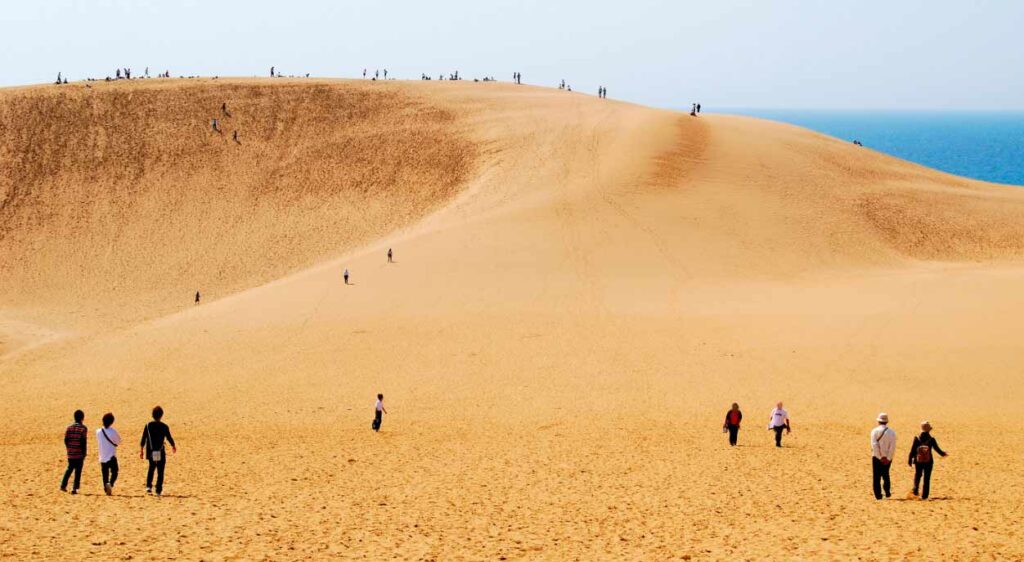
(76, 444)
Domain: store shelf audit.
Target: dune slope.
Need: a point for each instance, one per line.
(565, 324)
(118, 202)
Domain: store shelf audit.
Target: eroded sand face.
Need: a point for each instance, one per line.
(566, 324)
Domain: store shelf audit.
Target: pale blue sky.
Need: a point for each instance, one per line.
(724, 53)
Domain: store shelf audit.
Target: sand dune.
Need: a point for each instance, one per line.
(581, 288)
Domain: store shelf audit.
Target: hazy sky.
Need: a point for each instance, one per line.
(724, 53)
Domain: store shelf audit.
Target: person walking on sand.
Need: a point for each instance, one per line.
(779, 421)
(197, 297)
(108, 439)
(390, 256)
(151, 447)
(883, 449)
(698, 108)
(922, 457)
(76, 443)
(378, 412)
(345, 275)
(732, 423)
(214, 125)
(234, 136)
(271, 72)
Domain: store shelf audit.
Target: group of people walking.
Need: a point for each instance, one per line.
(778, 422)
(883, 449)
(215, 125)
(921, 458)
(151, 447)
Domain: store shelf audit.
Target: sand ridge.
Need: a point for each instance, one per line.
(558, 341)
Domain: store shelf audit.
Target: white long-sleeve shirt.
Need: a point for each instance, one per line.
(883, 442)
(778, 418)
(107, 451)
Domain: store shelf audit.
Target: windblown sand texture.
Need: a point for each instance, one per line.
(581, 289)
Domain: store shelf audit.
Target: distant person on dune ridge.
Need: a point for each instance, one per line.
(698, 108)
(271, 72)
(214, 125)
(779, 421)
(152, 448)
(76, 443)
(234, 136)
(732, 423)
(345, 275)
(378, 412)
(693, 110)
(922, 457)
(108, 439)
(390, 256)
(883, 449)
(197, 297)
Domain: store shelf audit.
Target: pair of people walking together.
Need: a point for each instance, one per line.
(777, 422)
(921, 457)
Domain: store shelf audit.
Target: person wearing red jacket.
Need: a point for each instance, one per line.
(732, 423)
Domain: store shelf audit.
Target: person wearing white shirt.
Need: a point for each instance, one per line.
(109, 439)
(779, 421)
(378, 412)
(883, 449)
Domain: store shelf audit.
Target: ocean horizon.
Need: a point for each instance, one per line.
(978, 144)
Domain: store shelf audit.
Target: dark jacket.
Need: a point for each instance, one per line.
(75, 440)
(924, 439)
(158, 431)
(738, 420)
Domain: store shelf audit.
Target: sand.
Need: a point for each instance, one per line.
(581, 289)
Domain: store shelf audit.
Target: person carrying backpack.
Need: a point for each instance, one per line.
(922, 457)
(76, 443)
(108, 439)
(152, 448)
(732, 423)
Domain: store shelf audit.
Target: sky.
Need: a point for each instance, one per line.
(829, 54)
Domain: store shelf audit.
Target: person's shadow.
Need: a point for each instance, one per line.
(134, 496)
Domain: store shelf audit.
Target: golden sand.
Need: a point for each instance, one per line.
(581, 289)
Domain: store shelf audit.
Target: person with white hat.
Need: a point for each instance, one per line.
(921, 455)
(883, 449)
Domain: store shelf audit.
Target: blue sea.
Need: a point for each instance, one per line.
(977, 144)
